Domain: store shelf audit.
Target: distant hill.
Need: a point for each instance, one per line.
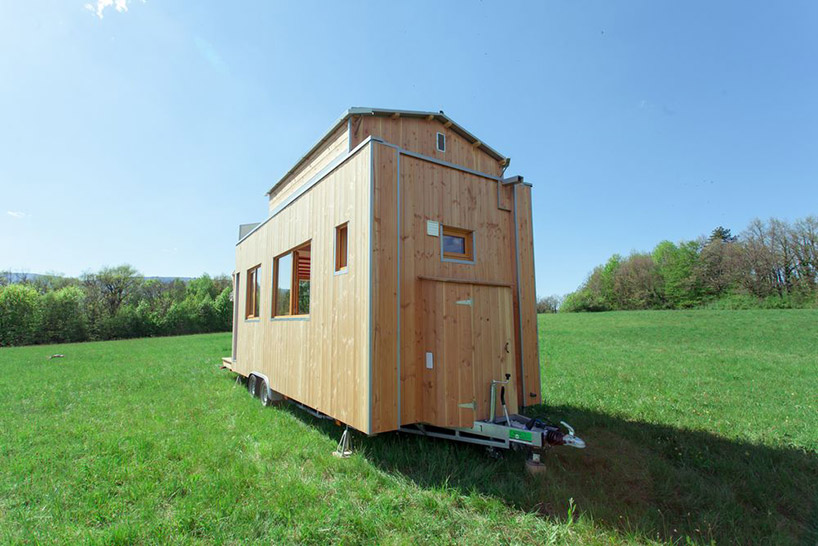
(169, 279)
(14, 277)
(19, 277)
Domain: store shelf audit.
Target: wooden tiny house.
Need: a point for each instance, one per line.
(393, 280)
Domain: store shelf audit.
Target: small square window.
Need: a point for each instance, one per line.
(441, 142)
(341, 246)
(457, 244)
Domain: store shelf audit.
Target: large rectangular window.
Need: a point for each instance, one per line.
(457, 244)
(341, 246)
(291, 282)
(284, 284)
(252, 301)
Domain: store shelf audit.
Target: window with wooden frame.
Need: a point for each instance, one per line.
(252, 301)
(457, 244)
(291, 283)
(441, 142)
(341, 246)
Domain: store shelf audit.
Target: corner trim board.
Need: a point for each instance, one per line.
(371, 341)
(519, 298)
(534, 271)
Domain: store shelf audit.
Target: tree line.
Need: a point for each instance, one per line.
(772, 264)
(113, 303)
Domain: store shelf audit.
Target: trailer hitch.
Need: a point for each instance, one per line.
(554, 436)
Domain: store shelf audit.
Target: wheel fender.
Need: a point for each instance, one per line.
(265, 381)
(272, 395)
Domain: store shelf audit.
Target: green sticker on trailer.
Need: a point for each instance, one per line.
(522, 435)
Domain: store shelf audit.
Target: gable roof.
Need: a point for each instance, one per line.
(365, 111)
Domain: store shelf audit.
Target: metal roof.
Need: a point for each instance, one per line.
(363, 111)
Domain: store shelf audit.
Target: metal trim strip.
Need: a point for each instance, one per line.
(399, 349)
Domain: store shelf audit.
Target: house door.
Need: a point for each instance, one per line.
(494, 352)
(467, 342)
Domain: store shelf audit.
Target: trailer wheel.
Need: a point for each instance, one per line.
(264, 395)
(252, 385)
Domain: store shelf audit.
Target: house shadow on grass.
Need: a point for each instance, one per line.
(636, 478)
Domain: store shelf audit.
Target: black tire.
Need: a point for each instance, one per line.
(264, 395)
(252, 385)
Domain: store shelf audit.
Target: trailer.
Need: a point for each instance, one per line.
(391, 286)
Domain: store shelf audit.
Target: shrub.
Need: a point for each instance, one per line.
(583, 300)
(181, 318)
(19, 315)
(63, 317)
(129, 321)
(224, 310)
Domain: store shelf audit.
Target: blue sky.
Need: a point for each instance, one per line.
(145, 136)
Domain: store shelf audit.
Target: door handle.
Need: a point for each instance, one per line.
(506, 347)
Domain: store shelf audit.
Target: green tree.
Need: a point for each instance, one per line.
(19, 315)
(201, 287)
(607, 278)
(722, 234)
(224, 309)
(637, 283)
(114, 285)
(63, 319)
(676, 266)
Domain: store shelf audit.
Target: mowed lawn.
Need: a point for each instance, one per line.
(700, 425)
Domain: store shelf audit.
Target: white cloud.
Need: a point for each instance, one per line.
(100, 6)
(16, 214)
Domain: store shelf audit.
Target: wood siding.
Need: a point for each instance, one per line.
(420, 136)
(429, 191)
(385, 332)
(336, 145)
(323, 361)
(360, 356)
(528, 297)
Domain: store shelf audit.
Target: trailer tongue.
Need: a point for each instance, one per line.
(516, 431)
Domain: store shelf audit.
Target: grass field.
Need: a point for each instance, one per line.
(701, 426)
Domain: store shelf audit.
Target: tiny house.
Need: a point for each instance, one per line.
(391, 286)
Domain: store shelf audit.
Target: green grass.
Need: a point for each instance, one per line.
(701, 426)
(700, 423)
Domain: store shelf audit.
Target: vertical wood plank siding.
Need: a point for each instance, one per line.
(369, 328)
(323, 361)
(336, 146)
